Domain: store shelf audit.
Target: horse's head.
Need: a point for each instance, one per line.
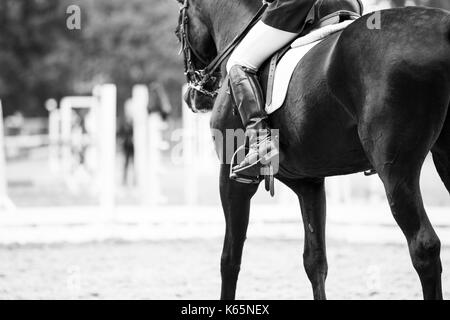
(199, 50)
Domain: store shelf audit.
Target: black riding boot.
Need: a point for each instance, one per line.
(261, 149)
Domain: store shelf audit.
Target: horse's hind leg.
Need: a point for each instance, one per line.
(311, 194)
(406, 203)
(236, 206)
(397, 146)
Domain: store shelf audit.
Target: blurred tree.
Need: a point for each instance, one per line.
(445, 4)
(398, 3)
(32, 65)
(129, 42)
(124, 42)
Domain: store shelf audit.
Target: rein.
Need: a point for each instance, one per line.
(198, 78)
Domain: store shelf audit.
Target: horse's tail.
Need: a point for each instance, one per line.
(441, 150)
(448, 31)
(447, 54)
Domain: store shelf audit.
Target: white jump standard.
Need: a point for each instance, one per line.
(5, 201)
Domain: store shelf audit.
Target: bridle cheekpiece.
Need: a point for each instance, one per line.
(197, 78)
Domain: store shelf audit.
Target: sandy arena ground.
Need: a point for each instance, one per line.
(160, 257)
(271, 269)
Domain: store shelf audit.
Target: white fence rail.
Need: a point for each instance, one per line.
(97, 136)
(5, 201)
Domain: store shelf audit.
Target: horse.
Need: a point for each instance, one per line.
(363, 99)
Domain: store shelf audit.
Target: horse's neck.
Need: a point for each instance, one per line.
(228, 19)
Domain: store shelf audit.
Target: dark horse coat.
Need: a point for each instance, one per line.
(363, 98)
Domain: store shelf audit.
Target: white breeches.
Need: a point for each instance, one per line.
(258, 45)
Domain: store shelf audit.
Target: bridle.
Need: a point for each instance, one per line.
(199, 78)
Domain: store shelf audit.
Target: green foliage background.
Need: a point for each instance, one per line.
(123, 42)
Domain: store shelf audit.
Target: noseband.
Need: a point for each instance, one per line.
(198, 78)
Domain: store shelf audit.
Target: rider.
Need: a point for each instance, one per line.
(282, 22)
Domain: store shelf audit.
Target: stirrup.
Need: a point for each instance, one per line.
(267, 175)
(239, 177)
(370, 172)
(261, 162)
(243, 178)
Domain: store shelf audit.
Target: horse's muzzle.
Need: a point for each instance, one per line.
(198, 102)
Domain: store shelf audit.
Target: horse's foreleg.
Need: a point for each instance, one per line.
(236, 206)
(311, 194)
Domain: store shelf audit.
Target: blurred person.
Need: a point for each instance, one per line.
(159, 100)
(126, 142)
(159, 104)
(15, 123)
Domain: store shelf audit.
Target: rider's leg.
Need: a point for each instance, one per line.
(257, 46)
(249, 99)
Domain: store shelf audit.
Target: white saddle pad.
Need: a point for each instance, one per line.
(290, 60)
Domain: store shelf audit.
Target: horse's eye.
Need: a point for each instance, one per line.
(177, 33)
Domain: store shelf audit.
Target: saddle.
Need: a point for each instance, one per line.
(325, 18)
(324, 10)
